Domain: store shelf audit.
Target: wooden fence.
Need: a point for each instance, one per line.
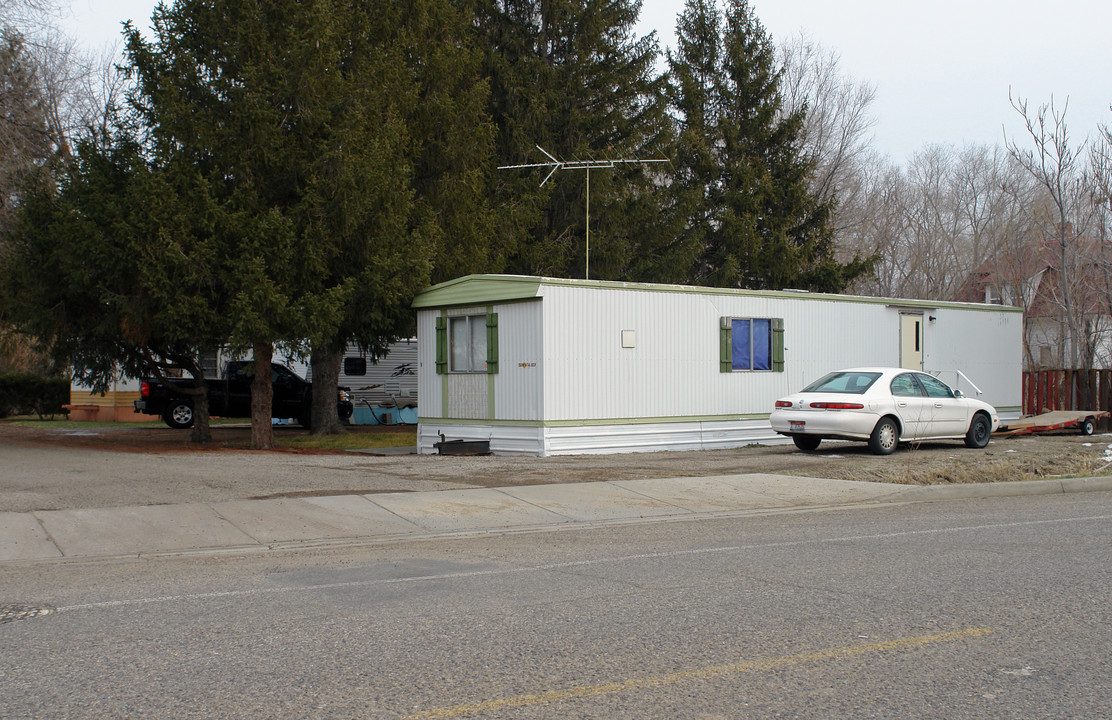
(1046, 390)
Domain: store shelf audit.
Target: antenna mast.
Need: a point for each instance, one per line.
(588, 166)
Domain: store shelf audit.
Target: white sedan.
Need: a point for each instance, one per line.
(882, 406)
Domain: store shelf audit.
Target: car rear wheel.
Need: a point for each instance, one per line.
(806, 443)
(980, 430)
(179, 414)
(885, 437)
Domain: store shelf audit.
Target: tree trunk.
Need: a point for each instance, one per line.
(262, 396)
(202, 428)
(326, 377)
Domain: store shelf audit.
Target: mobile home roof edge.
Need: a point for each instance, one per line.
(484, 289)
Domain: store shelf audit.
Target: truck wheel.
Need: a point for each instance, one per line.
(179, 414)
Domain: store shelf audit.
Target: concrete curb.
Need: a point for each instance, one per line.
(932, 493)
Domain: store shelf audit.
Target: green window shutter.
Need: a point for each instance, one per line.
(725, 345)
(492, 342)
(441, 345)
(778, 344)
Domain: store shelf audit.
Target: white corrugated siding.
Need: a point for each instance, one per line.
(674, 369)
(504, 440)
(985, 346)
(584, 439)
(428, 382)
(518, 384)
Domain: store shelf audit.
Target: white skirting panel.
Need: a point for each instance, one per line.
(586, 439)
(503, 440)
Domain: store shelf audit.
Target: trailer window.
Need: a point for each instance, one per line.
(752, 344)
(468, 341)
(355, 366)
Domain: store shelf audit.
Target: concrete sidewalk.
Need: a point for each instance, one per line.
(251, 525)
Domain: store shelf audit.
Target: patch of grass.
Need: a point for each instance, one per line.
(351, 440)
(33, 422)
(29, 421)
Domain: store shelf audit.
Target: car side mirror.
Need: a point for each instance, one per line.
(957, 394)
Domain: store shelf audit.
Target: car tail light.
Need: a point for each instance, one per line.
(837, 406)
(783, 404)
(144, 389)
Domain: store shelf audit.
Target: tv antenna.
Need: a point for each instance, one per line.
(586, 165)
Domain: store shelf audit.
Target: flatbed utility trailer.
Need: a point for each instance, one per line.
(1084, 421)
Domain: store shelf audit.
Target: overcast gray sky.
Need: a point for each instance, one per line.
(942, 69)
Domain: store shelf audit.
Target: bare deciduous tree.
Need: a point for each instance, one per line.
(24, 134)
(837, 125)
(50, 92)
(1056, 165)
(1100, 165)
(936, 220)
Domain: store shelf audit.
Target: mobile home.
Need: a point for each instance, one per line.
(547, 366)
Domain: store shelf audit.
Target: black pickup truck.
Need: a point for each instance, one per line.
(230, 396)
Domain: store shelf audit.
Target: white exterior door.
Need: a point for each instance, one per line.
(911, 341)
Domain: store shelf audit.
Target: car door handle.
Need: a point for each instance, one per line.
(901, 404)
(938, 404)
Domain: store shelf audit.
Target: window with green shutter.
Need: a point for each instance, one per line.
(751, 344)
(471, 345)
(441, 345)
(492, 342)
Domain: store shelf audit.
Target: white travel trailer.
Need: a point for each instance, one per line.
(548, 366)
(383, 387)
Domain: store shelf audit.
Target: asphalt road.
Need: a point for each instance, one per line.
(973, 609)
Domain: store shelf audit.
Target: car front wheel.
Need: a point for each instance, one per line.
(806, 443)
(885, 437)
(980, 430)
(179, 414)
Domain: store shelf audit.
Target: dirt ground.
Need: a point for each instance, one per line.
(1006, 458)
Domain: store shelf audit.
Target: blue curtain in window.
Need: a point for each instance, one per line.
(762, 344)
(743, 359)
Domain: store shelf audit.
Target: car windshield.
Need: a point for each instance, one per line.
(852, 383)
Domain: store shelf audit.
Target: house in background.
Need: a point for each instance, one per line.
(1031, 277)
(547, 366)
(115, 405)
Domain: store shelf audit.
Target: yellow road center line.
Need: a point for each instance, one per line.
(715, 671)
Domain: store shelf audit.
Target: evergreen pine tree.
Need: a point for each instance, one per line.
(740, 195)
(344, 145)
(572, 77)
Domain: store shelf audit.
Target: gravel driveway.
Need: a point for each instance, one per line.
(104, 467)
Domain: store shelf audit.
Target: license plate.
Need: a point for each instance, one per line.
(797, 425)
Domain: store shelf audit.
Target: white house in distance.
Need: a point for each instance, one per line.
(547, 366)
